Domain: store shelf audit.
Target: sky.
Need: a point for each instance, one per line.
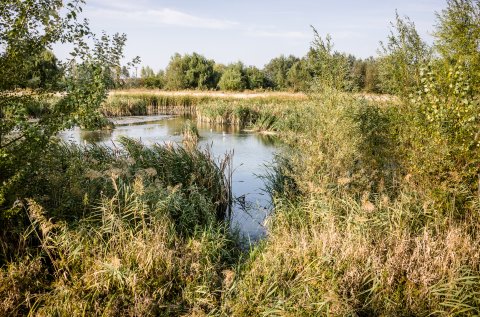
(252, 31)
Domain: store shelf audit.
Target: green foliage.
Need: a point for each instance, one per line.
(255, 78)
(146, 72)
(190, 72)
(402, 58)
(233, 78)
(45, 71)
(299, 77)
(151, 80)
(28, 30)
(446, 104)
(371, 80)
(277, 69)
(330, 69)
(458, 33)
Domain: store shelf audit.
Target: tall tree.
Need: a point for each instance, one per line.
(277, 69)
(190, 72)
(234, 77)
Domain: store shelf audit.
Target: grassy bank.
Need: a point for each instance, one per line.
(127, 231)
(374, 216)
(371, 233)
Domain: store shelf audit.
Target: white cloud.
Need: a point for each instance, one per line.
(174, 17)
(277, 34)
(163, 16)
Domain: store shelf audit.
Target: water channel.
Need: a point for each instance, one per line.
(251, 153)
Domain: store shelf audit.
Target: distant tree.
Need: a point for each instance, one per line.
(357, 73)
(149, 79)
(329, 68)
(218, 70)
(45, 71)
(175, 73)
(372, 81)
(233, 78)
(299, 76)
(255, 78)
(200, 73)
(277, 69)
(147, 72)
(190, 72)
(125, 73)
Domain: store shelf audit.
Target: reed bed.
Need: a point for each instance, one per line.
(361, 235)
(126, 103)
(132, 230)
(359, 228)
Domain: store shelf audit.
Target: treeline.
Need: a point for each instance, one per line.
(291, 73)
(195, 71)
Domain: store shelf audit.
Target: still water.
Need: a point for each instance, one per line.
(251, 152)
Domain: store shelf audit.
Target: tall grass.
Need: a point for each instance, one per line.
(358, 228)
(125, 259)
(147, 103)
(258, 115)
(124, 231)
(363, 238)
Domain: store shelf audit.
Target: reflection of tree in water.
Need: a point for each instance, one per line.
(268, 139)
(175, 125)
(218, 128)
(99, 136)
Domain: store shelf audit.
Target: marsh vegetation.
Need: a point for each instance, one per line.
(376, 201)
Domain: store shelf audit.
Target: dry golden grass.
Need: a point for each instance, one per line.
(213, 94)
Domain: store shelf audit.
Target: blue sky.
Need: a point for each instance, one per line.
(251, 31)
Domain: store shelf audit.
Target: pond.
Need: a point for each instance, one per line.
(251, 153)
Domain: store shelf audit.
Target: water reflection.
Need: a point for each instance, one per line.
(251, 152)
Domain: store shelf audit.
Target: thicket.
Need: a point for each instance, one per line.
(387, 223)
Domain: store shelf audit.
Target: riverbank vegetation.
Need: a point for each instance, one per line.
(376, 202)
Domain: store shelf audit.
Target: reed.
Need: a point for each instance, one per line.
(126, 103)
(149, 233)
(357, 229)
(363, 237)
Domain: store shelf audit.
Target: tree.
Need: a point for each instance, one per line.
(298, 76)
(125, 73)
(174, 74)
(146, 72)
(45, 71)
(357, 73)
(457, 38)
(329, 68)
(28, 29)
(255, 78)
(190, 72)
(402, 58)
(277, 69)
(372, 83)
(233, 78)
(449, 88)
